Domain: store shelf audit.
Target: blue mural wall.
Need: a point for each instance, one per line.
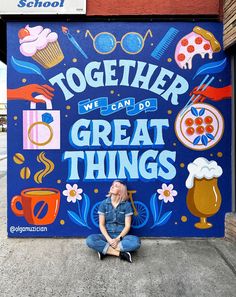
(146, 103)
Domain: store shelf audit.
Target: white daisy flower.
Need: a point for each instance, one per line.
(72, 193)
(167, 193)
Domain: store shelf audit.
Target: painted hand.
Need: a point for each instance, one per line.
(211, 93)
(29, 92)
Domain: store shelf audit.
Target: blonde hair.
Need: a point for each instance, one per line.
(123, 190)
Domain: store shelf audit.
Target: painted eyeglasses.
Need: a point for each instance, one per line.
(105, 43)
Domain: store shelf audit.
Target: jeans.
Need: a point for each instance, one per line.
(98, 243)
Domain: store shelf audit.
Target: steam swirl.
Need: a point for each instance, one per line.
(49, 167)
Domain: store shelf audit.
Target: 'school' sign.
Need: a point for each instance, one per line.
(89, 103)
(43, 7)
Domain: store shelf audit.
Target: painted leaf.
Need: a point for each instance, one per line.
(202, 111)
(85, 207)
(204, 140)
(210, 68)
(196, 140)
(194, 111)
(26, 67)
(164, 219)
(212, 137)
(154, 207)
(75, 218)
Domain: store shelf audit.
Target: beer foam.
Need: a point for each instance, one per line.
(202, 168)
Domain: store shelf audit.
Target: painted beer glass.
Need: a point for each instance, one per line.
(203, 197)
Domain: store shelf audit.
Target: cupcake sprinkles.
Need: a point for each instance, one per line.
(41, 45)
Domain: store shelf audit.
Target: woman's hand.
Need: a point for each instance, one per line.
(114, 242)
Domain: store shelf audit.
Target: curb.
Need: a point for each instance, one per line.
(3, 157)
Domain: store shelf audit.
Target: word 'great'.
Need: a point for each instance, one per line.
(117, 133)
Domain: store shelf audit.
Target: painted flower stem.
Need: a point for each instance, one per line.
(159, 215)
(79, 209)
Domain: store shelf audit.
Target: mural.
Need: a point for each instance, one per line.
(146, 103)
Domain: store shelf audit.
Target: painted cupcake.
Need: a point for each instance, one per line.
(40, 44)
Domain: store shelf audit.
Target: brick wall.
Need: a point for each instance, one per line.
(153, 7)
(230, 226)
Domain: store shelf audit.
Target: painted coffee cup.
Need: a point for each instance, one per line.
(39, 206)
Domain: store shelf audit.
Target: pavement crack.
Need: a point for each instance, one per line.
(231, 267)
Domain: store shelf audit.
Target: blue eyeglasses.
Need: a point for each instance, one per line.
(105, 43)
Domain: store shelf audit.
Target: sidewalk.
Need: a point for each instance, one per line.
(162, 267)
(3, 159)
(3, 153)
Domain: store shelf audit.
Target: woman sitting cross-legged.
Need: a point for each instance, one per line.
(115, 215)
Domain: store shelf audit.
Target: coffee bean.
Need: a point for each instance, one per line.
(25, 173)
(18, 158)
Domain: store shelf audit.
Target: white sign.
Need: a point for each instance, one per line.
(43, 7)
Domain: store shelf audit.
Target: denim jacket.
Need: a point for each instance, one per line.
(115, 217)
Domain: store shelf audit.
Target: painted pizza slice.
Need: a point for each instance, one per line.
(199, 42)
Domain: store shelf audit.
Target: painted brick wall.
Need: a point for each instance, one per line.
(152, 7)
